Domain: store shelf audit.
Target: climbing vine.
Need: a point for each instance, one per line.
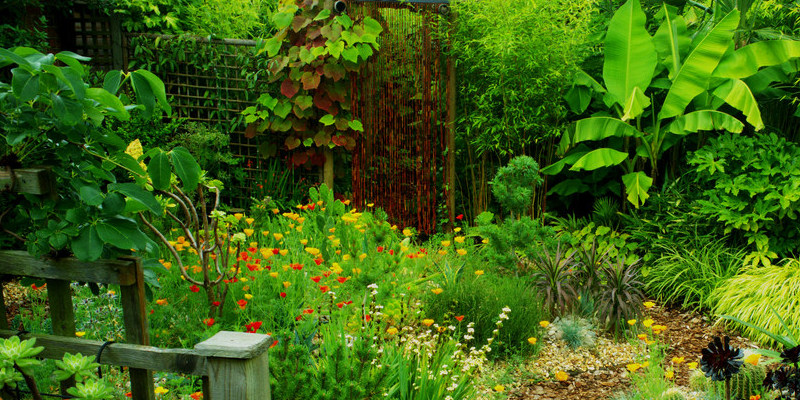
(313, 57)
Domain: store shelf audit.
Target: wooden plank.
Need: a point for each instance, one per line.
(117, 58)
(450, 179)
(184, 361)
(135, 318)
(27, 180)
(20, 263)
(59, 296)
(4, 319)
(238, 366)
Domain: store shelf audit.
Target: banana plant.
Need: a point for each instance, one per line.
(695, 75)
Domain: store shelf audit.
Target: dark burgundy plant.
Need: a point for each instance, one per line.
(721, 361)
(791, 356)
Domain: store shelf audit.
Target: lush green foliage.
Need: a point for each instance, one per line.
(194, 17)
(511, 59)
(636, 125)
(513, 239)
(312, 56)
(514, 183)
(748, 297)
(687, 275)
(480, 298)
(49, 115)
(752, 187)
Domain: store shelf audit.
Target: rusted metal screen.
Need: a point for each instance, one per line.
(398, 163)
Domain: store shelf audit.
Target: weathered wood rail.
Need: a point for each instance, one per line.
(234, 365)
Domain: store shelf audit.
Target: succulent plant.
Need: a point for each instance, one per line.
(743, 385)
(720, 362)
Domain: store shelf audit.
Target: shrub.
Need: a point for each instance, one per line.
(687, 275)
(481, 299)
(574, 331)
(620, 297)
(513, 239)
(749, 295)
(514, 184)
(753, 188)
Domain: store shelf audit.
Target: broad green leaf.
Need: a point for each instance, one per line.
(766, 76)
(599, 158)
(282, 109)
(24, 84)
(569, 187)
(695, 73)
(749, 59)
(324, 14)
(636, 185)
(569, 159)
(69, 111)
(584, 79)
(372, 26)
(133, 191)
(119, 232)
(327, 120)
(144, 94)
(596, 128)
(156, 88)
(346, 22)
(356, 125)
(704, 120)
(284, 17)
(112, 81)
(73, 61)
(70, 78)
(159, 170)
(350, 54)
(630, 56)
(87, 246)
(335, 48)
(635, 104)
(186, 167)
(738, 95)
(91, 195)
(670, 38)
(112, 104)
(129, 163)
(578, 98)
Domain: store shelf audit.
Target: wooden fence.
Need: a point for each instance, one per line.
(234, 365)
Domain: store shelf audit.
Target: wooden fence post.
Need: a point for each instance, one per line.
(59, 297)
(238, 366)
(136, 332)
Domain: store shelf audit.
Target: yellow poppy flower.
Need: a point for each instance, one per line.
(649, 304)
(561, 376)
(437, 290)
(250, 220)
(80, 334)
(427, 322)
(238, 216)
(283, 252)
(461, 252)
(544, 324)
(273, 274)
(278, 236)
(391, 331)
(459, 239)
(499, 388)
(304, 241)
(532, 340)
(445, 243)
(648, 323)
(479, 272)
(407, 232)
(286, 284)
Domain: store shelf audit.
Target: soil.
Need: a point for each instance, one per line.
(688, 333)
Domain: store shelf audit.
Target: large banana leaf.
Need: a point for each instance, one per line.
(599, 158)
(636, 104)
(670, 39)
(705, 120)
(738, 95)
(636, 185)
(568, 187)
(776, 73)
(595, 128)
(573, 156)
(630, 56)
(695, 73)
(747, 60)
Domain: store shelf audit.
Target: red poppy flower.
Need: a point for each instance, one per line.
(275, 343)
(129, 394)
(253, 326)
(298, 318)
(194, 288)
(242, 303)
(348, 302)
(324, 289)
(308, 311)
(297, 266)
(209, 321)
(327, 273)
(275, 252)
(318, 261)
(460, 217)
(459, 318)
(340, 304)
(342, 279)
(391, 252)
(215, 304)
(283, 294)
(368, 318)
(196, 395)
(380, 249)
(252, 250)
(316, 279)
(252, 267)
(312, 206)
